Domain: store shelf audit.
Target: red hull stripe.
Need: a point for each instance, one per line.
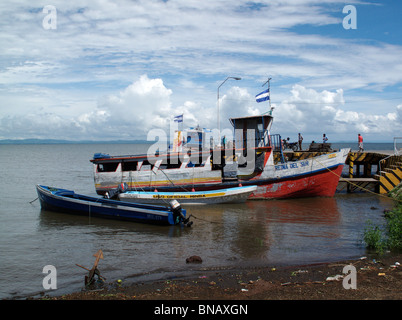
(323, 184)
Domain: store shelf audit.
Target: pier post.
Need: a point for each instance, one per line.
(351, 164)
(367, 170)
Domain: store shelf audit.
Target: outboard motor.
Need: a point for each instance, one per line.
(121, 188)
(178, 215)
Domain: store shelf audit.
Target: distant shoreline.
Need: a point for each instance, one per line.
(61, 141)
(53, 141)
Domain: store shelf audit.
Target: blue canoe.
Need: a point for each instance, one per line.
(62, 200)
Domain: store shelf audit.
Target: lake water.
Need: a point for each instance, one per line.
(272, 233)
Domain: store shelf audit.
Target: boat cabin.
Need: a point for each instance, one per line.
(252, 132)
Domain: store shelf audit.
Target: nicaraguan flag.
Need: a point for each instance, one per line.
(262, 96)
(178, 118)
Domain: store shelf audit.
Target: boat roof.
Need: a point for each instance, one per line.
(263, 116)
(99, 157)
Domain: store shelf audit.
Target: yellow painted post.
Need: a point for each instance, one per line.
(351, 164)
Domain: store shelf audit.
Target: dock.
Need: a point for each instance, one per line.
(358, 184)
(375, 171)
(383, 167)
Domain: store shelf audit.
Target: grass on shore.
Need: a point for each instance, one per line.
(389, 237)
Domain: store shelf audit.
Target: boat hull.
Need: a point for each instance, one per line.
(232, 195)
(317, 184)
(313, 176)
(62, 200)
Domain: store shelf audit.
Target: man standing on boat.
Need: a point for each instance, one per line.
(300, 141)
(324, 138)
(360, 139)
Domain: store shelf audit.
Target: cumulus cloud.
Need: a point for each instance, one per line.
(317, 112)
(146, 104)
(109, 40)
(101, 47)
(238, 102)
(308, 109)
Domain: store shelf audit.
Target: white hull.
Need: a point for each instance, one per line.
(231, 195)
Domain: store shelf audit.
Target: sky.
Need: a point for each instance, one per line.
(107, 70)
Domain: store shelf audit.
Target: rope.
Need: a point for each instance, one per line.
(357, 186)
(33, 200)
(142, 189)
(173, 182)
(193, 216)
(167, 202)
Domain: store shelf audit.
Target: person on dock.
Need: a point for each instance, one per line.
(300, 141)
(360, 139)
(324, 138)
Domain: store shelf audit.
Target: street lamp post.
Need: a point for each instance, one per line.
(219, 121)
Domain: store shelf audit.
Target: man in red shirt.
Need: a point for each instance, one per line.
(360, 138)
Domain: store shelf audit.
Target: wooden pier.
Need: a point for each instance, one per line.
(374, 171)
(358, 184)
(386, 169)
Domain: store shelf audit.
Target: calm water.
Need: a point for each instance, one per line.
(256, 232)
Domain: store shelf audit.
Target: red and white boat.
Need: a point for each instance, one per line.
(254, 157)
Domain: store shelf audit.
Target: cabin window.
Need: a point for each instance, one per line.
(146, 166)
(194, 165)
(129, 166)
(169, 163)
(107, 167)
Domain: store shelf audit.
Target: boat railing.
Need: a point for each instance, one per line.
(396, 151)
(395, 154)
(276, 144)
(263, 139)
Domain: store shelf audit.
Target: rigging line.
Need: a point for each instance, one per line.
(133, 181)
(172, 181)
(142, 189)
(210, 221)
(165, 201)
(33, 200)
(136, 186)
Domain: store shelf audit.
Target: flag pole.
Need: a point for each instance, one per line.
(269, 91)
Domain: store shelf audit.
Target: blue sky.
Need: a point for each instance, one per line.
(118, 69)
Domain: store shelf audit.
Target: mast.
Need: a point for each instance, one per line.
(269, 92)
